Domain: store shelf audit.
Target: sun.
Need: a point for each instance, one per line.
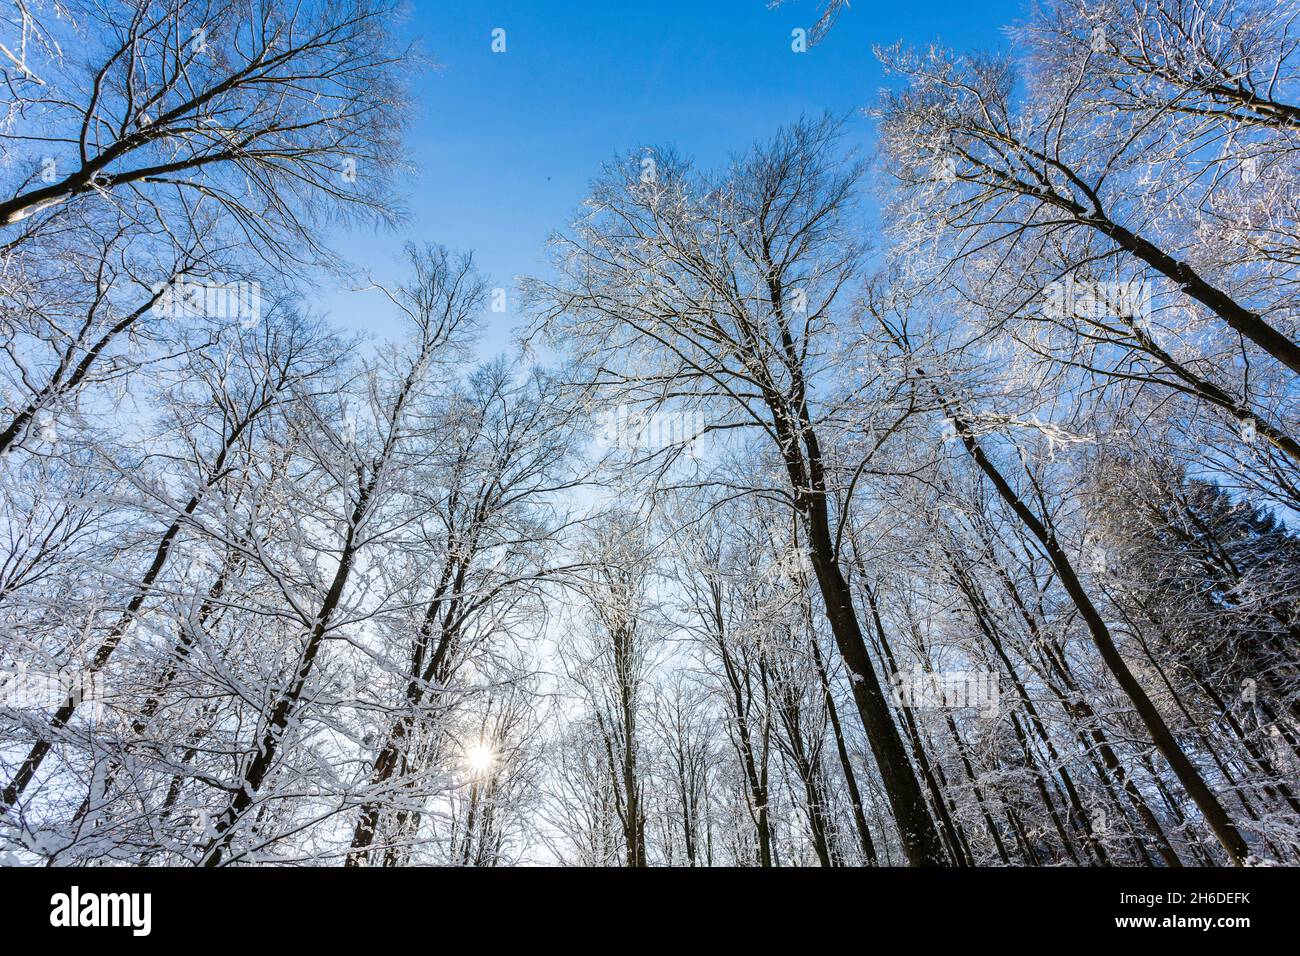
(479, 759)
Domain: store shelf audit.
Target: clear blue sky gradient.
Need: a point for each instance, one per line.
(505, 144)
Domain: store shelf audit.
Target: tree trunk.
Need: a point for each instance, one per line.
(1188, 775)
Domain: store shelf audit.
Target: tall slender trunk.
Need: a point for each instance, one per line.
(1238, 317)
(1217, 818)
(952, 838)
(426, 669)
(32, 763)
(917, 831)
(984, 618)
(846, 764)
(268, 746)
(756, 778)
(802, 453)
(67, 377)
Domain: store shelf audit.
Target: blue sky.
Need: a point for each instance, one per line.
(506, 143)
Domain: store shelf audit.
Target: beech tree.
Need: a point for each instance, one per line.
(936, 510)
(723, 294)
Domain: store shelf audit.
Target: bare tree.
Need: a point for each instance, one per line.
(723, 294)
(263, 110)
